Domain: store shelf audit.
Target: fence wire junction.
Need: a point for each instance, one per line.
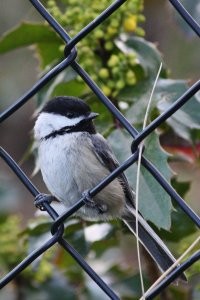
(57, 227)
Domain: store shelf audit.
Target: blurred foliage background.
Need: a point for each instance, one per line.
(123, 56)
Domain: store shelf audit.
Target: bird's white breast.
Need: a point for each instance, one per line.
(57, 159)
(69, 167)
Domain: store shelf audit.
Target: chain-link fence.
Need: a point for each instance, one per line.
(57, 228)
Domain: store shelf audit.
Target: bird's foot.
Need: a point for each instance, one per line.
(41, 198)
(102, 208)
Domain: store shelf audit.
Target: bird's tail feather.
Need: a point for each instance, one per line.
(150, 240)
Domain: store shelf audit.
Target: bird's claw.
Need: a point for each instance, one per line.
(41, 198)
(102, 208)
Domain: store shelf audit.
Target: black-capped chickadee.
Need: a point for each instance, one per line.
(74, 158)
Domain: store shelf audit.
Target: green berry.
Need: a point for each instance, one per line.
(141, 18)
(94, 77)
(111, 84)
(111, 31)
(88, 62)
(51, 3)
(99, 34)
(106, 90)
(130, 23)
(130, 74)
(94, 51)
(103, 73)
(120, 84)
(131, 78)
(113, 61)
(131, 81)
(131, 55)
(140, 31)
(109, 45)
(114, 23)
(115, 70)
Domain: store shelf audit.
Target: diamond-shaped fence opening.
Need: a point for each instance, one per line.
(57, 226)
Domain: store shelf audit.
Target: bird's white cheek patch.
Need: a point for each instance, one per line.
(47, 123)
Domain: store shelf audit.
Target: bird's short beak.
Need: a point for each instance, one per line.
(92, 116)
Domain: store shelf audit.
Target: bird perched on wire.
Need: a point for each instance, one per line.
(74, 158)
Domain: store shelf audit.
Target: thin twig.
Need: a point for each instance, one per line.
(172, 267)
(138, 178)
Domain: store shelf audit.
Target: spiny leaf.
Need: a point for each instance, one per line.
(154, 204)
(149, 57)
(187, 117)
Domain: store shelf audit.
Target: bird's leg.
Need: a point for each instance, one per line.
(43, 198)
(102, 208)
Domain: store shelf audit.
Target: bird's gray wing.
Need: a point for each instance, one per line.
(105, 155)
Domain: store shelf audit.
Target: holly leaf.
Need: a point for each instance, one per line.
(154, 203)
(187, 117)
(167, 91)
(140, 95)
(147, 54)
(179, 230)
(27, 34)
(137, 96)
(149, 59)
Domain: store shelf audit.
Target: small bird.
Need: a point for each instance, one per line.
(74, 158)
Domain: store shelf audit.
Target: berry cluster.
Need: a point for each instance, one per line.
(98, 54)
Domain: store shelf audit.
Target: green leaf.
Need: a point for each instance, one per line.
(100, 247)
(154, 203)
(48, 53)
(27, 34)
(179, 230)
(187, 117)
(183, 122)
(57, 287)
(102, 240)
(150, 59)
(47, 42)
(140, 96)
(71, 88)
(129, 286)
(47, 92)
(38, 227)
(146, 52)
(105, 119)
(77, 239)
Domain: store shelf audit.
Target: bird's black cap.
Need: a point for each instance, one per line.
(70, 107)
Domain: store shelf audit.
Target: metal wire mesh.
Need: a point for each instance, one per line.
(57, 226)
